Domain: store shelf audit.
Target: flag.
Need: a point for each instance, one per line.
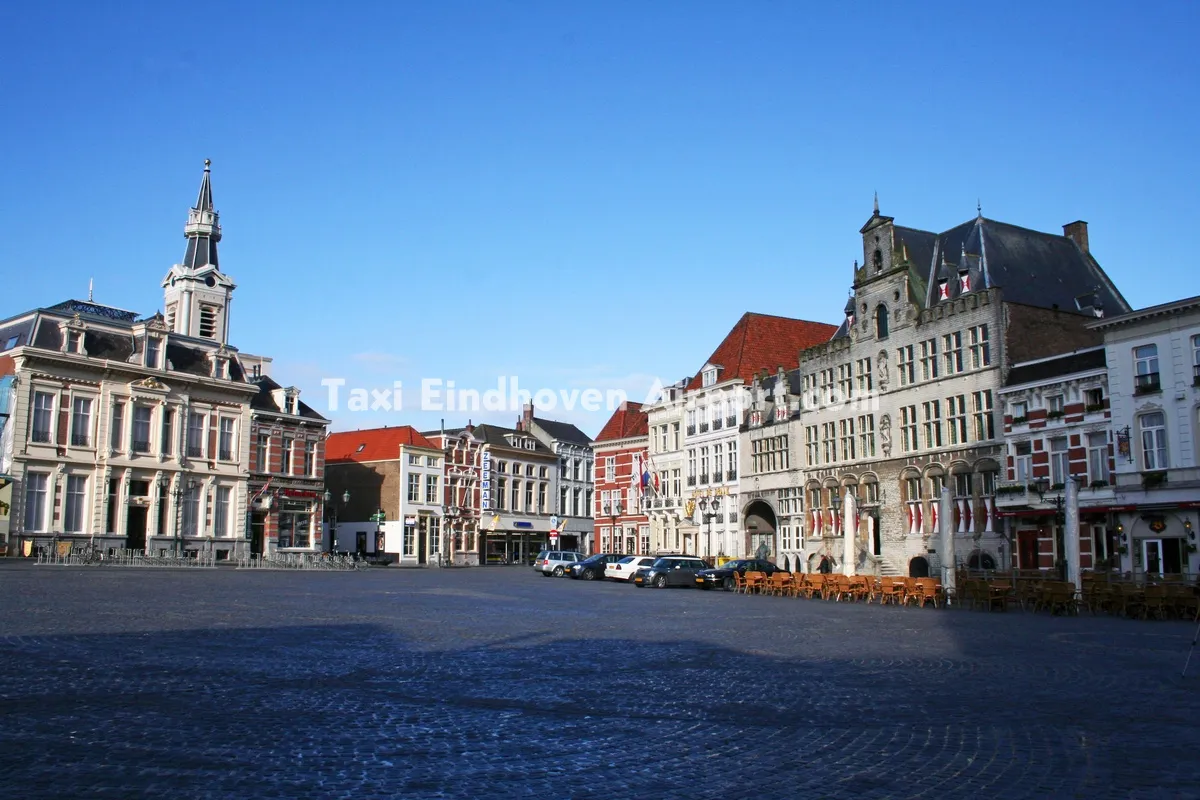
(943, 291)
(263, 490)
(635, 471)
(645, 475)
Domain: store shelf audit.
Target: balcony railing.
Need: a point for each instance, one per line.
(80, 440)
(691, 481)
(731, 475)
(716, 423)
(691, 429)
(703, 478)
(704, 427)
(1146, 384)
(225, 455)
(730, 422)
(194, 451)
(733, 516)
(41, 437)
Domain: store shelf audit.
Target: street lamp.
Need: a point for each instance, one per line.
(183, 488)
(450, 513)
(331, 509)
(704, 505)
(613, 511)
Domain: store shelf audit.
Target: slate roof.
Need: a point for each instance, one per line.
(762, 340)
(1039, 269)
(265, 400)
(1067, 364)
(494, 435)
(563, 431)
(374, 444)
(627, 421)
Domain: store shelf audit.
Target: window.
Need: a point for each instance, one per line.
(610, 469)
(262, 452)
(542, 498)
(952, 356)
(195, 435)
(286, 456)
(1054, 405)
(846, 381)
(1019, 411)
(1059, 467)
(1093, 399)
(168, 431)
(529, 470)
(848, 443)
(529, 507)
(76, 492)
(575, 503)
(515, 504)
(81, 422)
(141, 429)
(829, 442)
(208, 321)
(1154, 440)
(225, 443)
(310, 459)
(431, 489)
(956, 419)
(43, 416)
(962, 484)
(929, 360)
(191, 513)
(812, 446)
(116, 438)
(981, 351)
(769, 454)
(881, 314)
(576, 469)
(431, 461)
(1098, 457)
(912, 489)
(932, 411)
(414, 487)
(704, 465)
(1145, 361)
(908, 428)
(718, 462)
(410, 540)
(435, 535)
(74, 342)
(1196, 355)
(866, 436)
(709, 377)
(691, 457)
(36, 495)
(221, 512)
(904, 365)
(10, 343)
(675, 436)
(864, 376)
(152, 349)
(414, 461)
(1023, 462)
(733, 465)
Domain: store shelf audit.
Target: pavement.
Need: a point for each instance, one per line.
(497, 683)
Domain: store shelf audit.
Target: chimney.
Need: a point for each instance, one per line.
(526, 416)
(1077, 232)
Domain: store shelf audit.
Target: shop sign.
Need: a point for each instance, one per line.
(410, 520)
(485, 482)
(522, 524)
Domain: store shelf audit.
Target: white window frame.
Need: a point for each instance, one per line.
(37, 500)
(75, 504)
(1155, 454)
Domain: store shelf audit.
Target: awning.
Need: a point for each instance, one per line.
(1084, 510)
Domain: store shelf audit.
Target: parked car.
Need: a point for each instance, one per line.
(625, 569)
(593, 567)
(670, 571)
(555, 562)
(723, 575)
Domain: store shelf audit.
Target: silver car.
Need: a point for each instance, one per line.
(555, 562)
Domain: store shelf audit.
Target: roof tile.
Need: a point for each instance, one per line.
(628, 420)
(374, 444)
(762, 341)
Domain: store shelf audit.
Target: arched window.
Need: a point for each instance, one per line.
(881, 322)
(877, 259)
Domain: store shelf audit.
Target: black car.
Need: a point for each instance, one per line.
(592, 567)
(669, 571)
(723, 575)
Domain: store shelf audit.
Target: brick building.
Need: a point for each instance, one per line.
(395, 478)
(286, 470)
(621, 502)
(1056, 428)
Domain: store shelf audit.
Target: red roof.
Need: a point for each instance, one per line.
(374, 444)
(761, 341)
(628, 420)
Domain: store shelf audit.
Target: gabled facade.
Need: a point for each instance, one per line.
(771, 435)
(1057, 428)
(624, 485)
(573, 447)
(463, 500)
(666, 505)
(902, 402)
(1153, 360)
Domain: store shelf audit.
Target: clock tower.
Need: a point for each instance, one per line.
(196, 293)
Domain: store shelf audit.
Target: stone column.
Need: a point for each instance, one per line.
(1071, 532)
(946, 523)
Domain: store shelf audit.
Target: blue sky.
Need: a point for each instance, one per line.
(578, 194)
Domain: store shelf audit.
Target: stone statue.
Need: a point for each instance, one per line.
(881, 365)
(885, 436)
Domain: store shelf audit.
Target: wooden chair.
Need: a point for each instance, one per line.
(754, 582)
(883, 590)
(739, 582)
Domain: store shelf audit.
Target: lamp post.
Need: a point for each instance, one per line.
(331, 509)
(183, 489)
(613, 511)
(704, 504)
(450, 514)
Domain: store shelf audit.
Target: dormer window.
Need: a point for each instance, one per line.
(709, 376)
(11, 343)
(877, 259)
(153, 350)
(74, 342)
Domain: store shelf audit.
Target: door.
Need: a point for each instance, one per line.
(1027, 550)
(135, 528)
(258, 525)
(1162, 556)
(360, 543)
(422, 542)
(1152, 556)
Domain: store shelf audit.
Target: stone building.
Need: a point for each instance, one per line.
(1056, 428)
(902, 401)
(665, 507)
(387, 495)
(622, 503)
(1153, 357)
(573, 447)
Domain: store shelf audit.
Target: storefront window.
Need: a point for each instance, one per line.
(295, 524)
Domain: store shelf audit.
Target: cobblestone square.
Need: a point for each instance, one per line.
(487, 683)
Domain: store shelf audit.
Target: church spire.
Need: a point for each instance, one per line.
(203, 229)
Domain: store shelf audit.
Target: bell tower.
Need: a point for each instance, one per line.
(196, 294)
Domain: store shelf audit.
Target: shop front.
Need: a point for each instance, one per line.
(509, 539)
(296, 512)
